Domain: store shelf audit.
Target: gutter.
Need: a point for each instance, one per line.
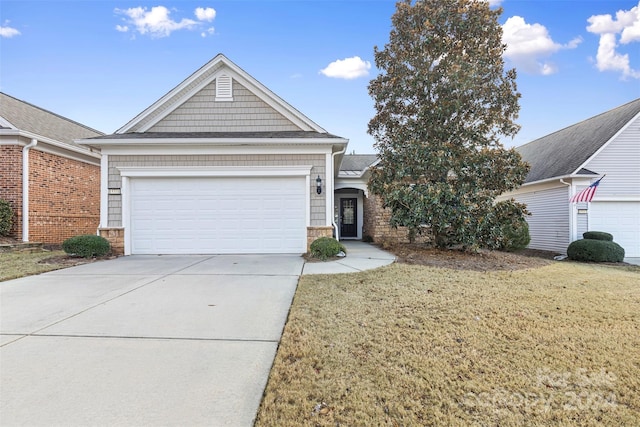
(25, 188)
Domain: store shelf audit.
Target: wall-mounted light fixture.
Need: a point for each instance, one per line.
(318, 185)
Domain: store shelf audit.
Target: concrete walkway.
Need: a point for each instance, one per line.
(360, 256)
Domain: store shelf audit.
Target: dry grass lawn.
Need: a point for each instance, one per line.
(20, 264)
(410, 345)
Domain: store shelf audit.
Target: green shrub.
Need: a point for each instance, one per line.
(515, 236)
(326, 247)
(505, 227)
(6, 217)
(86, 246)
(598, 235)
(595, 251)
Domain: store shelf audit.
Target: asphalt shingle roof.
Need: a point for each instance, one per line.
(561, 153)
(357, 162)
(27, 117)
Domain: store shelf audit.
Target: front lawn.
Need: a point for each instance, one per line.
(410, 345)
(19, 264)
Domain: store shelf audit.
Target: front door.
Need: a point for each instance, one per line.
(348, 216)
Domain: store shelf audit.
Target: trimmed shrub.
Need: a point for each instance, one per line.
(598, 235)
(326, 247)
(515, 236)
(590, 250)
(86, 246)
(6, 217)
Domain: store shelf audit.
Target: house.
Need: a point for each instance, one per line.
(220, 164)
(570, 159)
(52, 183)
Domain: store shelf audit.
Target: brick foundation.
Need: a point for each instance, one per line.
(314, 233)
(115, 236)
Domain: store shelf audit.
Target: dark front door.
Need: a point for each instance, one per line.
(349, 217)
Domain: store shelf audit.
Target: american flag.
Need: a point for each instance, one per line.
(587, 194)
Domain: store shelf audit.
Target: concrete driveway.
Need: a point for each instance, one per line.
(143, 340)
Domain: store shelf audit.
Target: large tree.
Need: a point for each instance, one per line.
(444, 101)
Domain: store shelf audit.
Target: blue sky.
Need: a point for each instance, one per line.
(102, 62)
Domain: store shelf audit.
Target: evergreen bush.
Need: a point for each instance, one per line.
(86, 246)
(591, 250)
(598, 235)
(326, 247)
(6, 217)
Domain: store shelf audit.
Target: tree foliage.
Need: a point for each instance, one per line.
(443, 101)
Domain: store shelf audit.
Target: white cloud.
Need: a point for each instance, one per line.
(627, 24)
(493, 3)
(348, 68)
(7, 31)
(122, 28)
(205, 14)
(209, 31)
(155, 22)
(528, 45)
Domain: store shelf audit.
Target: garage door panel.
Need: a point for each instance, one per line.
(218, 215)
(622, 220)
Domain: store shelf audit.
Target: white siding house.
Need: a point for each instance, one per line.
(567, 161)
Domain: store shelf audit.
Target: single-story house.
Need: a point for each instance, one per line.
(569, 160)
(51, 182)
(220, 164)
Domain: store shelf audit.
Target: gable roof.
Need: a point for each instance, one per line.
(563, 153)
(203, 77)
(19, 115)
(355, 165)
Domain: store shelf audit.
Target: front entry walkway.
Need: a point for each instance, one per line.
(360, 256)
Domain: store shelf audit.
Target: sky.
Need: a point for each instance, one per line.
(102, 62)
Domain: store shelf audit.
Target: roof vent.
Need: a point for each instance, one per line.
(224, 88)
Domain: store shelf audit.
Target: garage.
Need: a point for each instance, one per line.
(622, 219)
(217, 215)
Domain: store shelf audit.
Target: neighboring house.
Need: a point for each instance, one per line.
(52, 183)
(566, 162)
(220, 164)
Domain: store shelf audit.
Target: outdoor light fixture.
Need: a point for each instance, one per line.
(318, 185)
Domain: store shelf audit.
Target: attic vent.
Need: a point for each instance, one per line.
(224, 88)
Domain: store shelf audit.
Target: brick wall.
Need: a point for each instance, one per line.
(115, 236)
(314, 233)
(64, 197)
(376, 224)
(11, 183)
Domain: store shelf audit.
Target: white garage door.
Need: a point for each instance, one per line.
(217, 215)
(622, 219)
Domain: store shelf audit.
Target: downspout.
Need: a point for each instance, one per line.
(333, 195)
(25, 188)
(573, 226)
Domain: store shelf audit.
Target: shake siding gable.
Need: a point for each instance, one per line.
(202, 113)
(620, 160)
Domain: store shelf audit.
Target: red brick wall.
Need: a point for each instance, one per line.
(11, 183)
(64, 198)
